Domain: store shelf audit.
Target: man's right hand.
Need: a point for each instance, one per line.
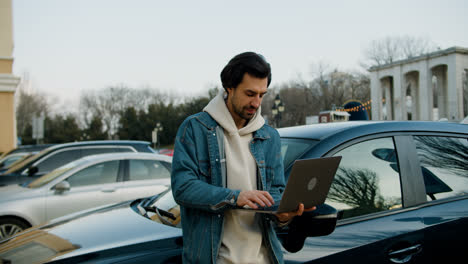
(255, 198)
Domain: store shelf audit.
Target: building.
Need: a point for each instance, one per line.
(333, 116)
(428, 87)
(8, 82)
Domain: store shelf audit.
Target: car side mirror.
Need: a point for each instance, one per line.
(62, 187)
(32, 170)
(320, 222)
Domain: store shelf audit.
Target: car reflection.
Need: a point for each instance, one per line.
(52, 240)
(37, 247)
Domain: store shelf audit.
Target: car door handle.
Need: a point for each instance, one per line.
(404, 255)
(108, 190)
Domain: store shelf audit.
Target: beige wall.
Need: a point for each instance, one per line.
(8, 82)
(7, 137)
(6, 29)
(6, 64)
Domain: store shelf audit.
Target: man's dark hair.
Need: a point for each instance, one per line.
(248, 62)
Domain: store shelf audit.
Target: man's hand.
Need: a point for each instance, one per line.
(255, 198)
(285, 217)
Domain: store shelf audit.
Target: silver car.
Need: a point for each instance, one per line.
(89, 182)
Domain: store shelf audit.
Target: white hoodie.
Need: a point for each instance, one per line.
(242, 237)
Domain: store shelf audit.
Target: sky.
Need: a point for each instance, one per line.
(68, 47)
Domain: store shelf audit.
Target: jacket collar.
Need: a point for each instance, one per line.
(205, 119)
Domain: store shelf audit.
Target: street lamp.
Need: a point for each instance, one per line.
(277, 110)
(155, 134)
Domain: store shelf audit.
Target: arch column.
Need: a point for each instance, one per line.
(399, 106)
(424, 106)
(376, 97)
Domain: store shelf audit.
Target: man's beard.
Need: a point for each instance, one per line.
(244, 114)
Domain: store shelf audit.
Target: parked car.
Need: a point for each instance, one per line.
(401, 192)
(27, 148)
(169, 152)
(18, 154)
(9, 159)
(82, 184)
(58, 155)
(140, 231)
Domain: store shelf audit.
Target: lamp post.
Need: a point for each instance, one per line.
(155, 134)
(277, 110)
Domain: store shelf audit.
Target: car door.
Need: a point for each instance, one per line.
(444, 163)
(95, 185)
(146, 177)
(373, 225)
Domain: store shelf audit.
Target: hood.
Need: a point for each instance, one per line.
(91, 231)
(218, 111)
(15, 192)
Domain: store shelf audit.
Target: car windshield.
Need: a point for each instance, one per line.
(21, 159)
(164, 210)
(32, 158)
(53, 174)
(292, 148)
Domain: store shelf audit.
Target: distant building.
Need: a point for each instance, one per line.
(333, 116)
(428, 87)
(8, 82)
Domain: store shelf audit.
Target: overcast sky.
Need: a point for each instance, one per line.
(70, 46)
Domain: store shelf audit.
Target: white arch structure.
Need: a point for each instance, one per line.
(428, 87)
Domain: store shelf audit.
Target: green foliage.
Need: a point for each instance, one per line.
(60, 129)
(95, 130)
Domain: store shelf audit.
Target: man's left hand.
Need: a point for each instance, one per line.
(286, 217)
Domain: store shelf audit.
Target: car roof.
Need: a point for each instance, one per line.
(326, 130)
(99, 142)
(125, 155)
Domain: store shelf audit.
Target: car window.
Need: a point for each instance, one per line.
(291, 149)
(101, 173)
(444, 164)
(124, 149)
(147, 170)
(58, 159)
(367, 179)
(18, 166)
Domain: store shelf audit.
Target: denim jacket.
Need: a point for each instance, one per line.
(198, 185)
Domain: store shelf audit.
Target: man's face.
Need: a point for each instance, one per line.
(244, 101)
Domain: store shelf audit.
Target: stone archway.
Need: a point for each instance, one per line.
(415, 93)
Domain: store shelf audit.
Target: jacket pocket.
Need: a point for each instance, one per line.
(205, 170)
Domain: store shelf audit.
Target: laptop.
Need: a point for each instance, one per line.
(309, 183)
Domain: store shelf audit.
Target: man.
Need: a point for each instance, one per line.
(226, 158)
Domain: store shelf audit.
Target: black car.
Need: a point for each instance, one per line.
(61, 154)
(401, 192)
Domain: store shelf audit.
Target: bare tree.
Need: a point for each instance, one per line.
(393, 48)
(108, 105)
(455, 151)
(28, 105)
(359, 189)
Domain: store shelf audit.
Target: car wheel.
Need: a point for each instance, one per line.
(10, 226)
